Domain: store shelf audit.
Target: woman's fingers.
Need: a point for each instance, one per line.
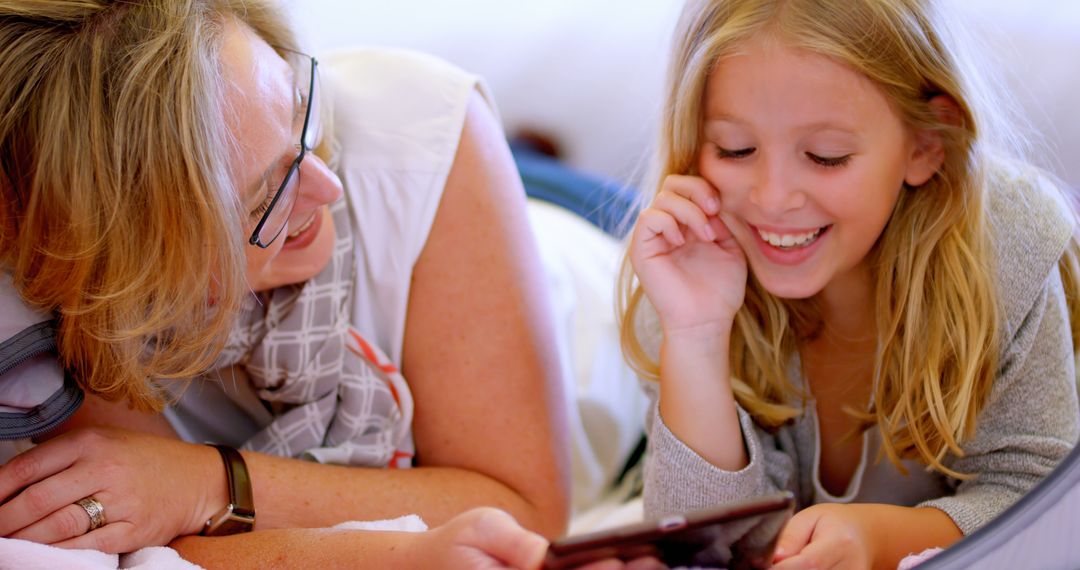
(52, 491)
(42, 499)
(66, 523)
(32, 466)
(113, 538)
(497, 533)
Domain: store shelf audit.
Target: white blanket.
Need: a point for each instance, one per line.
(25, 555)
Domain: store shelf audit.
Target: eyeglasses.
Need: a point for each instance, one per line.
(273, 221)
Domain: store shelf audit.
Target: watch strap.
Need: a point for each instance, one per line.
(239, 514)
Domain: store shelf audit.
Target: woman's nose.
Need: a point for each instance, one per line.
(776, 190)
(318, 184)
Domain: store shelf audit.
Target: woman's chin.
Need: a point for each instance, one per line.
(293, 265)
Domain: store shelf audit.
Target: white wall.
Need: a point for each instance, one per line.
(589, 71)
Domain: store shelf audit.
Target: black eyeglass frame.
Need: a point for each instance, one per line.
(295, 167)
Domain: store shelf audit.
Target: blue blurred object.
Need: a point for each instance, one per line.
(605, 203)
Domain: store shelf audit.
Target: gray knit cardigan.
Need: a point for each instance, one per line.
(1029, 424)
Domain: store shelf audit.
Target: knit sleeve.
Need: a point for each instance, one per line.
(678, 479)
(1030, 422)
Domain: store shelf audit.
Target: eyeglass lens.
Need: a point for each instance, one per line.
(308, 130)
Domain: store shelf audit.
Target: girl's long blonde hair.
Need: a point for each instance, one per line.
(939, 320)
(118, 212)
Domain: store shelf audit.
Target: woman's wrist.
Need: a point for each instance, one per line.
(211, 491)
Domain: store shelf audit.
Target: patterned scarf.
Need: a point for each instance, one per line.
(335, 398)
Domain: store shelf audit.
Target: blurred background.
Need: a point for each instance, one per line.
(588, 73)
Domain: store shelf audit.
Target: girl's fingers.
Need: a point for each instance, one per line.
(819, 555)
(795, 536)
(653, 223)
(649, 563)
(686, 213)
(696, 189)
(720, 229)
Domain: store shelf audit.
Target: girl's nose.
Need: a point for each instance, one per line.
(775, 190)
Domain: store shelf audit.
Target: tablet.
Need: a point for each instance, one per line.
(735, 536)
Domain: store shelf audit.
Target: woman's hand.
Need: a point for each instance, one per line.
(152, 490)
(481, 538)
(689, 264)
(827, 536)
(486, 538)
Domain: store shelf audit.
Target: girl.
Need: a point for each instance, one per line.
(857, 296)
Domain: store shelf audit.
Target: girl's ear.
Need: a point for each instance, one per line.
(929, 151)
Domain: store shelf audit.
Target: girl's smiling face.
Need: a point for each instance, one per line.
(809, 158)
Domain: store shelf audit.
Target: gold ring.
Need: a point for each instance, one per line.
(95, 510)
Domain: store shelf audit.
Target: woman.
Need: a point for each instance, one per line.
(168, 131)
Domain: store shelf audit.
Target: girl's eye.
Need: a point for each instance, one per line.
(829, 161)
(738, 153)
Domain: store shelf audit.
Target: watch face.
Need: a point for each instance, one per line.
(231, 520)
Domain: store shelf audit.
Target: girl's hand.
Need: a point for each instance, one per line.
(153, 489)
(826, 536)
(689, 264)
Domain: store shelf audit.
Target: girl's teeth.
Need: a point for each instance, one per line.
(789, 240)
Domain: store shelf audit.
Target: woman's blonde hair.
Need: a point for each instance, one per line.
(118, 212)
(938, 315)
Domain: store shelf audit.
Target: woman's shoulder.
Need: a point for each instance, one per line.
(395, 107)
(392, 65)
(1031, 221)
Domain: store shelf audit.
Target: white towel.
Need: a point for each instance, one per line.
(25, 555)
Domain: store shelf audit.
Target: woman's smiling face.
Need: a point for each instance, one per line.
(266, 117)
(809, 159)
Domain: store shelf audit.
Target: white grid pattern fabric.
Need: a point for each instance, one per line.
(335, 398)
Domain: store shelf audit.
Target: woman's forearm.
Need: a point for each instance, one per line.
(299, 548)
(480, 538)
(291, 493)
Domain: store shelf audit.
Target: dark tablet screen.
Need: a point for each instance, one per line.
(737, 535)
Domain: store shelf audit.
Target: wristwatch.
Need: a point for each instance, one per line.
(239, 515)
